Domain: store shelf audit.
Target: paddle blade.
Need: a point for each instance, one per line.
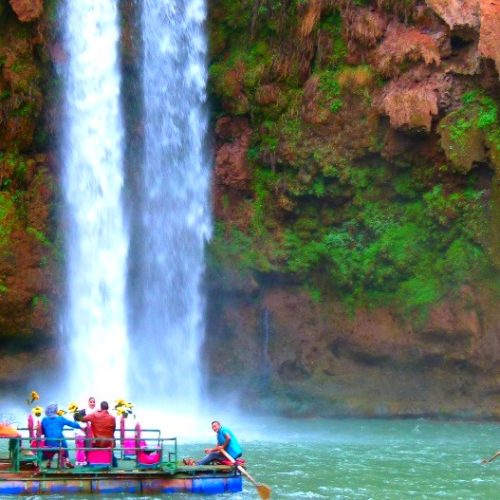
(264, 491)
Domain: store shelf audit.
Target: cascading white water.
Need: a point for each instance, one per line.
(94, 319)
(174, 223)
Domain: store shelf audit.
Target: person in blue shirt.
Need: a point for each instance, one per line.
(226, 440)
(52, 428)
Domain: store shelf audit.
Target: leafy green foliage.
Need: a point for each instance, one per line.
(14, 168)
(488, 113)
(329, 84)
(460, 128)
(394, 251)
(7, 210)
(380, 248)
(325, 217)
(335, 105)
(240, 72)
(26, 109)
(264, 179)
(39, 236)
(333, 25)
(471, 128)
(235, 251)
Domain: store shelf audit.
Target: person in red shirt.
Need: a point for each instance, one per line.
(103, 428)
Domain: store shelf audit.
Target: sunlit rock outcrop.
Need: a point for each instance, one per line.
(489, 35)
(402, 44)
(27, 10)
(412, 100)
(366, 26)
(468, 18)
(458, 14)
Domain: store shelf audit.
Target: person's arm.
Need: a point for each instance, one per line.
(218, 447)
(71, 423)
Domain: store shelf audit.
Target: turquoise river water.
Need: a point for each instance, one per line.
(363, 459)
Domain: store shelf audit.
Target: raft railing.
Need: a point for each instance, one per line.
(23, 449)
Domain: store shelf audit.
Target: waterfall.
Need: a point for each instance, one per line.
(93, 327)
(266, 369)
(142, 289)
(266, 332)
(172, 222)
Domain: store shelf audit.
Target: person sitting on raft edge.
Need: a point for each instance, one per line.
(226, 440)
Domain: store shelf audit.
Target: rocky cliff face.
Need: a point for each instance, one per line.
(355, 261)
(355, 264)
(28, 238)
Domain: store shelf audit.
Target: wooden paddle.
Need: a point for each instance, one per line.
(487, 461)
(263, 489)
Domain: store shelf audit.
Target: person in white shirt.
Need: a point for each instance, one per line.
(90, 406)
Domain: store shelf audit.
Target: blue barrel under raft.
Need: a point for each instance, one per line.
(200, 485)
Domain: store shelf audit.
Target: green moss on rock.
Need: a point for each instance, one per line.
(471, 134)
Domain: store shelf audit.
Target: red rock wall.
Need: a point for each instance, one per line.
(322, 359)
(28, 236)
(416, 61)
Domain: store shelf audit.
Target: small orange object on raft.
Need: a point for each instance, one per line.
(7, 430)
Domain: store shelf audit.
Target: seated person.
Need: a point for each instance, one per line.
(103, 428)
(226, 440)
(52, 428)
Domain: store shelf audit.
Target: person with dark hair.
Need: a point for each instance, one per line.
(103, 426)
(226, 440)
(52, 428)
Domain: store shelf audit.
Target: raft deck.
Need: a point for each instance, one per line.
(23, 471)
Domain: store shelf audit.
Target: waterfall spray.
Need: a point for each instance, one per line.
(94, 320)
(174, 223)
